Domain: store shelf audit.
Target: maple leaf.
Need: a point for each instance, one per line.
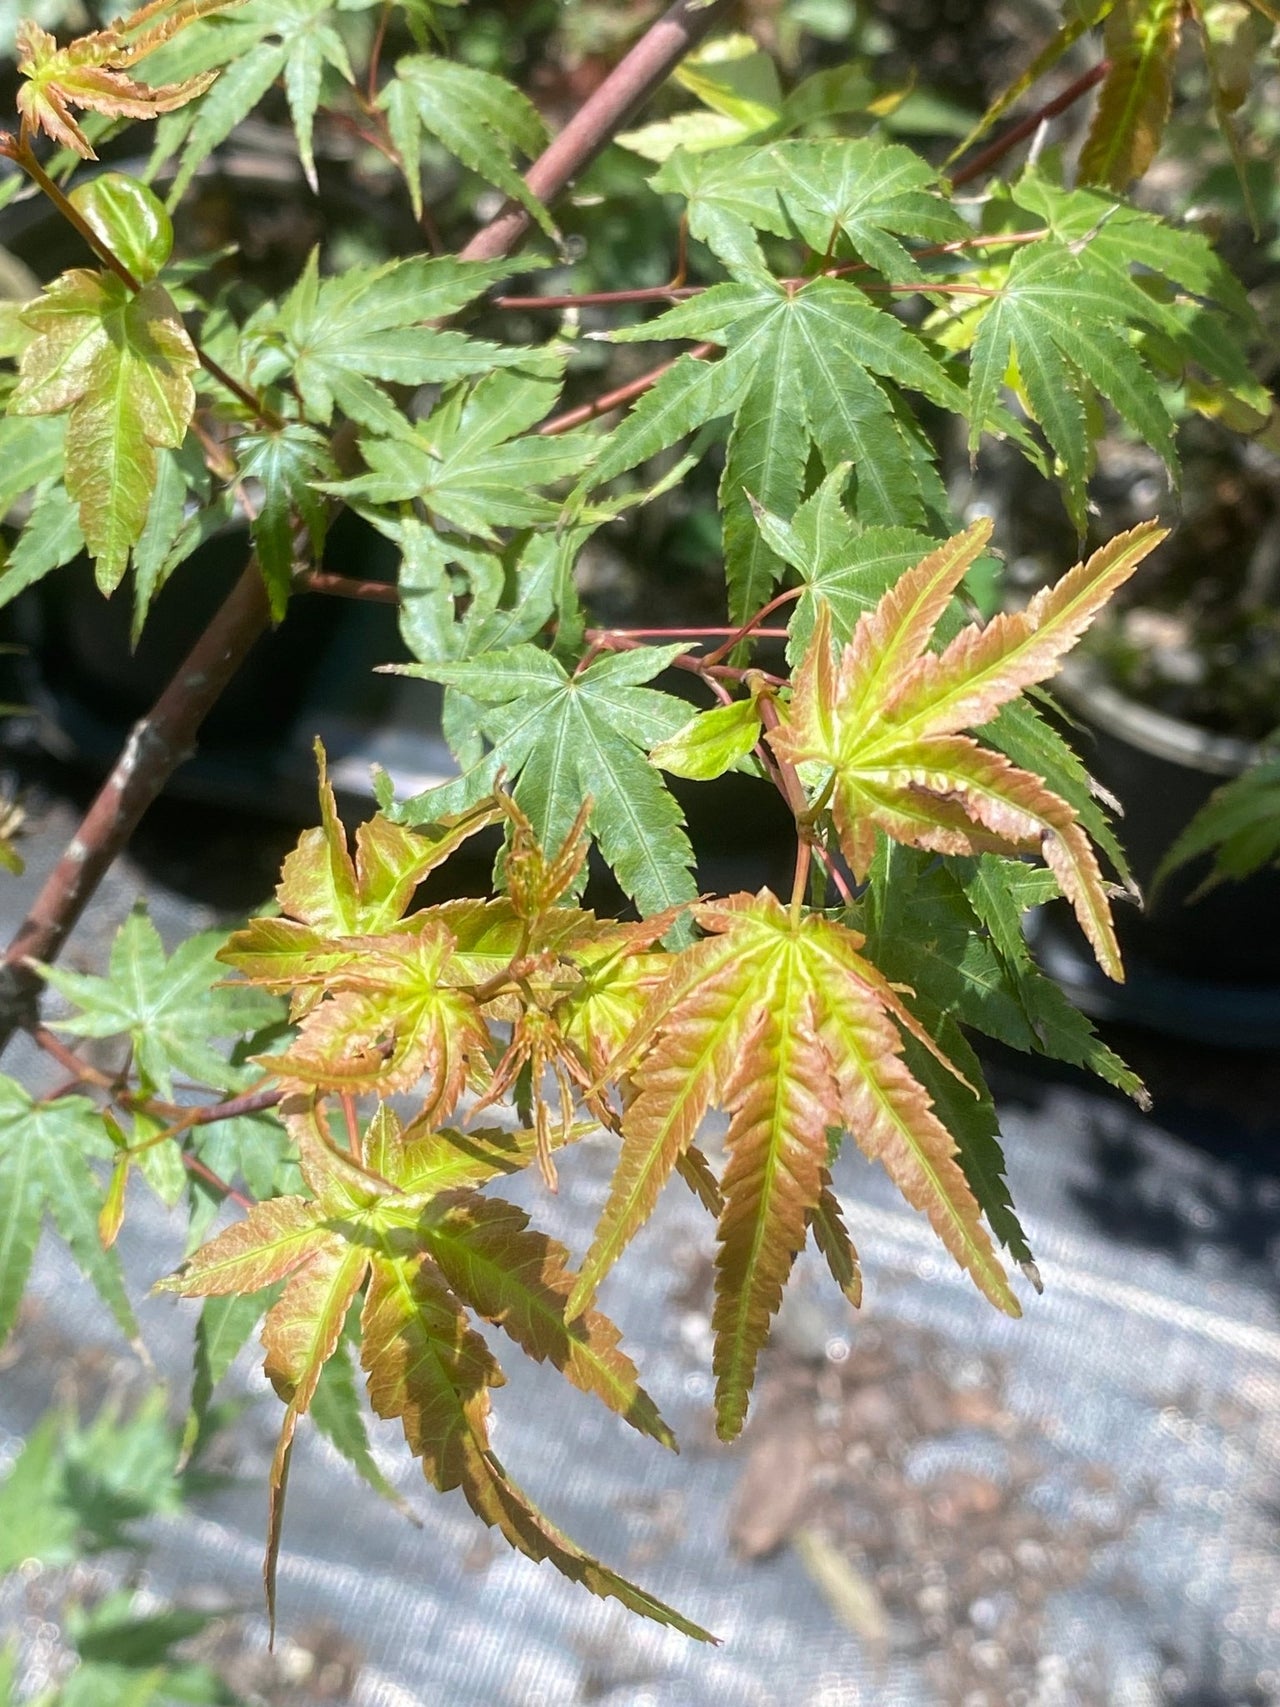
(170, 1008)
(866, 193)
(1141, 46)
(472, 461)
(1058, 319)
(119, 363)
(330, 896)
(783, 1023)
(813, 366)
(335, 337)
(286, 461)
(89, 73)
(479, 118)
(45, 1149)
(1239, 824)
(427, 1256)
(565, 738)
(886, 722)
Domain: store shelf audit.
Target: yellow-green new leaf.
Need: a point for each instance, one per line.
(300, 1334)
(780, 1021)
(120, 363)
(890, 731)
(427, 1368)
(323, 886)
(711, 743)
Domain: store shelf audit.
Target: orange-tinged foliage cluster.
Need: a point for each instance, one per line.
(774, 1014)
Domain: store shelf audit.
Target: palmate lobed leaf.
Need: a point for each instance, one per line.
(561, 739)
(812, 368)
(428, 1256)
(45, 1150)
(90, 73)
(170, 1007)
(780, 1021)
(887, 720)
(433, 1373)
(517, 1277)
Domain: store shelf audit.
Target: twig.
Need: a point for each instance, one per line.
(1026, 127)
(194, 1165)
(157, 746)
(82, 1073)
(645, 68)
(623, 394)
(346, 587)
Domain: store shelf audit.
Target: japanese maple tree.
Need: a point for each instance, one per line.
(366, 1070)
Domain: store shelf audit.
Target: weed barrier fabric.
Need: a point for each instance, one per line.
(931, 1503)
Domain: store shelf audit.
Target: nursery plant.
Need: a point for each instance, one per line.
(335, 1093)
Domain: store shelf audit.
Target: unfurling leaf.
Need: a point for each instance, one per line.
(887, 720)
(90, 73)
(132, 221)
(784, 1024)
(120, 363)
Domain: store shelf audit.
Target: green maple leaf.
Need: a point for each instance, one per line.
(783, 1023)
(426, 1259)
(119, 363)
(843, 565)
(562, 739)
(953, 933)
(478, 118)
(335, 337)
(863, 193)
(1138, 260)
(294, 41)
(169, 1007)
(45, 1148)
(886, 723)
(812, 366)
(286, 462)
(1090, 309)
(311, 45)
(1239, 825)
(1057, 320)
(473, 462)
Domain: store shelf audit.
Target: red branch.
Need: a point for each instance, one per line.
(166, 735)
(997, 150)
(634, 78)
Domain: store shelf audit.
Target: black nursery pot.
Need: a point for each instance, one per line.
(1207, 967)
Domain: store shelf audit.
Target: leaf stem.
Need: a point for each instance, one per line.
(750, 627)
(82, 1073)
(194, 1165)
(800, 883)
(621, 394)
